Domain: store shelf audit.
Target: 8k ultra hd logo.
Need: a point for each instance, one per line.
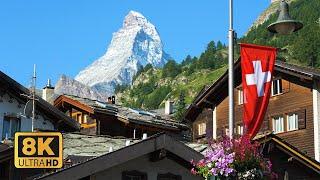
(38, 150)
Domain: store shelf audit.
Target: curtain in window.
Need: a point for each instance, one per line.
(278, 124)
(6, 128)
(292, 122)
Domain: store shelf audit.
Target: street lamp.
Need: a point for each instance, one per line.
(285, 24)
(230, 69)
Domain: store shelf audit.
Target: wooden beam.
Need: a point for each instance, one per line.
(75, 104)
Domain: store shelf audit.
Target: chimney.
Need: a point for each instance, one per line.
(113, 100)
(144, 136)
(110, 149)
(48, 92)
(134, 134)
(127, 142)
(109, 100)
(168, 107)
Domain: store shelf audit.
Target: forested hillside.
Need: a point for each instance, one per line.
(152, 86)
(301, 47)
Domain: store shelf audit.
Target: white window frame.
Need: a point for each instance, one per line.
(240, 129)
(202, 128)
(292, 119)
(8, 134)
(279, 91)
(240, 97)
(85, 119)
(275, 124)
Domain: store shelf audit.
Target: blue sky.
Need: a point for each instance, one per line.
(64, 36)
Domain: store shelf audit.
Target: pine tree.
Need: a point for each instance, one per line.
(180, 107)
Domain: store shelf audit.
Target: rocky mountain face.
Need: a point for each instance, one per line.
(136, 44)
(67, 85)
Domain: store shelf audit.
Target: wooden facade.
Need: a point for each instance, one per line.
(295, 97)
(98, 118)
(81, 113)
(288, 162)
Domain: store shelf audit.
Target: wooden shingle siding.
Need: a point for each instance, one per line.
(204, 117)
(294, 99)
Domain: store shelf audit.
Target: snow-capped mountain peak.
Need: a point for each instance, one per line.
(134, 18)
(137, 43)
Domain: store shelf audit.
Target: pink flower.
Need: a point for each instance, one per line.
(193, 171)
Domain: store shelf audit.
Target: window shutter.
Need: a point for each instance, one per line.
(301, 119)
(220, 131)
(209, 128)
(196, 130)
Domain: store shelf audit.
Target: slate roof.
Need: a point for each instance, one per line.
(79, 145)
(199, 147)
(109, 159)
(138, 116)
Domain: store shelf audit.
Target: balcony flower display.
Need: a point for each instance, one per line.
(233, 159)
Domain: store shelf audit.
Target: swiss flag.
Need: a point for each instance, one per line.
(257, 64)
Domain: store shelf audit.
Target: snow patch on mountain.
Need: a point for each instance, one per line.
(134, 45)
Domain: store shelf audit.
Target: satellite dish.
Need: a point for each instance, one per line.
(28, 109)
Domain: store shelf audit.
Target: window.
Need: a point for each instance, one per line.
(277, 124)
(240, 129)
(276, 87)
(134, 175)
(168, 176)
(10, 126)
(85, 119)
(227, 131)
(240, 96)
(79, 118)
(292, 123)
(201, 129)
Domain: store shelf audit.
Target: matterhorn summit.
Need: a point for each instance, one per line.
(137, 43)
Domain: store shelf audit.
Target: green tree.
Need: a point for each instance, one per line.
(220, 46)
(147, 67)
(187, 61)
(154, 99)
(181, 105)
(171, 69)
(121, 88)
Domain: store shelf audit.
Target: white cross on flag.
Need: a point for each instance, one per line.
(257, 64)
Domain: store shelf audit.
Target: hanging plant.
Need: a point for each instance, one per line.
(233, 159)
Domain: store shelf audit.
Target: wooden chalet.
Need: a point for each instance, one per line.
(288, 162)
(104, 118)
(292, 114)
(157, 157)
(13, 119)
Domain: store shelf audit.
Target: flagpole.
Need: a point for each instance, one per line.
(230, 62)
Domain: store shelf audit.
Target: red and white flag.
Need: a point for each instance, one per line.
(257, 64)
